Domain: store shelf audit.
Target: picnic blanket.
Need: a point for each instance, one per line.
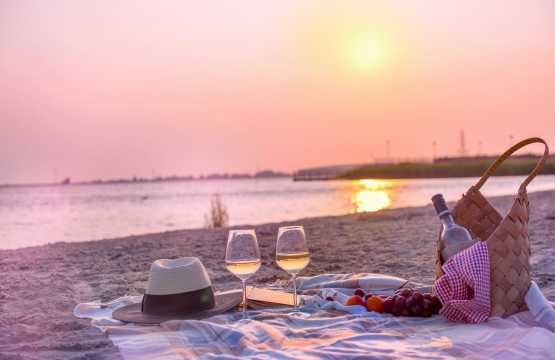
(329, 333)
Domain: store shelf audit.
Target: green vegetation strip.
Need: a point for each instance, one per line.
(450, 170)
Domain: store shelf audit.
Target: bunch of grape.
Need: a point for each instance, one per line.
(409, 302)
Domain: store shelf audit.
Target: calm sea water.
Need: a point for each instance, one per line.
(40, 215)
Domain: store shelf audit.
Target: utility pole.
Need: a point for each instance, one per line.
(462, 150)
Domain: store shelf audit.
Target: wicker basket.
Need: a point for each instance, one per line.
(508, 238)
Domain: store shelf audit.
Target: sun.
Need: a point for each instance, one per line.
(366, 51)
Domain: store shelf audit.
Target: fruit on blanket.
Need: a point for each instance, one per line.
(406, 293)
(416, 310)
(417, 304)
(360, 292)
(417, 297)
(355, 300)
(436, 304)
(375, 303)
(396, 311)
(388, 304)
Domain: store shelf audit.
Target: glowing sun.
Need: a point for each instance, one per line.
(366, 51)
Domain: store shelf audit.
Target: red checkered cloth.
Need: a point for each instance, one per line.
(464, 289)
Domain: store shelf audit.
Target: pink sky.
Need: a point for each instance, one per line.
(116, 89)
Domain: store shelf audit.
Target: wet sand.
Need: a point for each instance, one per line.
(40, 286)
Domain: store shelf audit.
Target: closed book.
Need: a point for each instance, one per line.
(259, 299)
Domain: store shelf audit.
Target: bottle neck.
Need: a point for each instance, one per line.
(447, 219)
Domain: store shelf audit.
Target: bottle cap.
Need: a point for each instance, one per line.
(440, 204)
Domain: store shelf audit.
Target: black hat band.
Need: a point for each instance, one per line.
(177, 304)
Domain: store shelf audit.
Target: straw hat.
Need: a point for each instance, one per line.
(177, 290)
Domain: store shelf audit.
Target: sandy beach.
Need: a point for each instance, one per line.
(40, 286)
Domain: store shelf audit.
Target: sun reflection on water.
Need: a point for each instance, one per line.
(371, 195)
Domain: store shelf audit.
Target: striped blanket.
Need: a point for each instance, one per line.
(328, 334)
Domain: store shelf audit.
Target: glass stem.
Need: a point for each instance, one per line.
(245, 314)
(295, 307)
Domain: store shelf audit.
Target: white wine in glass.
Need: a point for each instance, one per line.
(243, 269)
(293, 263)
(292, 256)
(242, 259)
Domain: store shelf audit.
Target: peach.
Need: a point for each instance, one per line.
(354, 300)
(375, 303)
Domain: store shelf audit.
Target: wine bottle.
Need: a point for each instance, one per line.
(452, 233)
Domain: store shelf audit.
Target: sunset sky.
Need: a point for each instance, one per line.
(117, 89)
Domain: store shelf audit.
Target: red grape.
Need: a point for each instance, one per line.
(406, 313)
(400, 302)
(427, 296)
(395, 311)
(368, 296)
(436, 304)
(417, 297)
(388, 304)
(426, 313)
(426, 304)
(329, 298)
(409, 303)
(359, 292)
(406, 293)
(416, 309)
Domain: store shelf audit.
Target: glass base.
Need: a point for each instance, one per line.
(247, 321)
(299, 314)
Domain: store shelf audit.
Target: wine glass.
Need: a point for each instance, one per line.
(292, 256)
(242, 259)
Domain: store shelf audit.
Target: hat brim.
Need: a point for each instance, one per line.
(132, 313)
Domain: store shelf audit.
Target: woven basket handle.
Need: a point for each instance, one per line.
(508, 153)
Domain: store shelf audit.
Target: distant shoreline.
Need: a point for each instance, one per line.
(446, 170)
(348, 176)
(135, 180)
(436, 168)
